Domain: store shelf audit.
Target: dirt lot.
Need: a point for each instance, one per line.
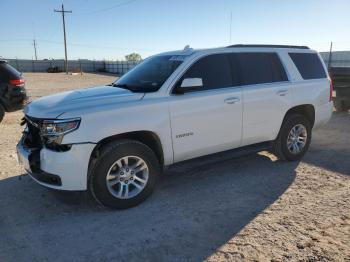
(252, 207)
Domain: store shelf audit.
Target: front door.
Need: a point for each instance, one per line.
(207, 120)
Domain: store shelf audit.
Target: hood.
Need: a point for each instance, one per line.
(55, 105)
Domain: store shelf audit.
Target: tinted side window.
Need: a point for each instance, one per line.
(258, 68)
(4, 76)
(214, 70)
(8, 72)
(309, 65)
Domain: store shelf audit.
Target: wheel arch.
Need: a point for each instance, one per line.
(148, 138)
(307, 110)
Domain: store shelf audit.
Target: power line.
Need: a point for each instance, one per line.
(108, 8)
(82, 45)
(15, 40)
(62, 11)
(102, 46)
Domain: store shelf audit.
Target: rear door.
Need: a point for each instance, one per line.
(209, 119)
(266, 94)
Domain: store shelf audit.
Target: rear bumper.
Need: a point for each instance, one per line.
(59, 170)
(323, 114)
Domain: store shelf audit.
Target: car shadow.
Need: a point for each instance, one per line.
(195, 210)
(329, 148)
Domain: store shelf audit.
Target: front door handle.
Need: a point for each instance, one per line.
(232, 100)
(282, 92)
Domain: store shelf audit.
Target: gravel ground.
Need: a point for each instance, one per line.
(252, 207)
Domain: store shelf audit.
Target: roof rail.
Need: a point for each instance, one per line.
(3, 61)
(273, 46)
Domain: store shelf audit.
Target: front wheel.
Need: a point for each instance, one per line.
(294, 138)
(124, 174)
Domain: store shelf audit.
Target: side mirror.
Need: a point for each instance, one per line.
(189, 84)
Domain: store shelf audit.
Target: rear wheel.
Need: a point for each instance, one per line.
(294, 138)
(2, 112)
(124, 175)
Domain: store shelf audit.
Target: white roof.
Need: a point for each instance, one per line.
(240, 48)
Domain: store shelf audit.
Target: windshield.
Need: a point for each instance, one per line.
(149, 75)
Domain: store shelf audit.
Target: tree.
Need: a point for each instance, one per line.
(133, 57)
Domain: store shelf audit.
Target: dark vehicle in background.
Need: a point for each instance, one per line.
(341, 84)
(12, 91)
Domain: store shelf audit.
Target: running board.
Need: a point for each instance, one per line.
(225, 155)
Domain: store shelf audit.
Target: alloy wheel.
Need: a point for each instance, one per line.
(296, 139)
(127, 177)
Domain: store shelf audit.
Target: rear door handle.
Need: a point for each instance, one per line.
(232, 100)
(282, 92)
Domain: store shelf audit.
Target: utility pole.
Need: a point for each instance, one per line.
(62, 11)
(330, 57)
(230, 26)
(34, 44)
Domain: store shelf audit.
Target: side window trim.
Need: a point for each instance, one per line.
(267, 84)
(235, 69)
(284, 66)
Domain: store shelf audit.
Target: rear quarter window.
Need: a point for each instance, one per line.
(8, 72)
(308, 65)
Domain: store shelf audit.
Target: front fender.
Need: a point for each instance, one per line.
(98, 125)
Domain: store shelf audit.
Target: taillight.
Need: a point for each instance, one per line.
(330, 89)
(17, 82)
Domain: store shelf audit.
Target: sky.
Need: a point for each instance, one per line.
(107, 29)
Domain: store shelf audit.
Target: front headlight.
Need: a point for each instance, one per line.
(54, 130)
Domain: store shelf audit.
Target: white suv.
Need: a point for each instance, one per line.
(115, 140)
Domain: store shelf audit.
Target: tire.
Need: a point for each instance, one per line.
(280, 145)
(2, 112)
(124, 191)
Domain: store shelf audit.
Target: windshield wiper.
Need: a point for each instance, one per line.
(125, 86)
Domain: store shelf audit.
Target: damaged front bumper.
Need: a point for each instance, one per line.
(30, 160)
(66, 170)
